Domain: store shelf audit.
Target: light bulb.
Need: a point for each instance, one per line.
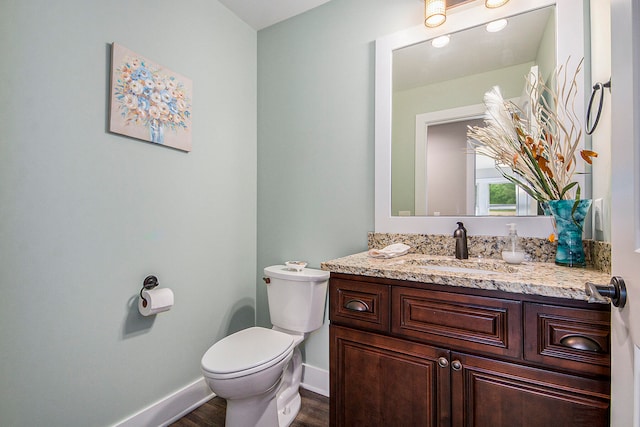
(434, 13)
(439, 42)
(494, 3)
(495, 26)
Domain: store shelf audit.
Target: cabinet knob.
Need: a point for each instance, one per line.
(456, 365)
(443, 362)
(357, 305)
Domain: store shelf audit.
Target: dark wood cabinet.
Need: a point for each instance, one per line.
(384, 381)
(413, 354)
(486, 392)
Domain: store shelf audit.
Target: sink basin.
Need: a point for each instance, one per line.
(473, 266)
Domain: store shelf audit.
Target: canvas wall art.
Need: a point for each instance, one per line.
(148, 101)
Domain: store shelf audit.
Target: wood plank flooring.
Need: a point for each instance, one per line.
(313, 413)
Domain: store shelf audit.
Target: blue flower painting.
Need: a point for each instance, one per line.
(149, 102)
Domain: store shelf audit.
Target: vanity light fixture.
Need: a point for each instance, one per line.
(495, 26)
(439, 42)
(434, 13)
(491, 4)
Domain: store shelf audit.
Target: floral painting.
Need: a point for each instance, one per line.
(148, 101)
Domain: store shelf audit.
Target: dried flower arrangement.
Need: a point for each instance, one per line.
(536, 150)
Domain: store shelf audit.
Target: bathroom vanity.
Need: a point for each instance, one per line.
(433, 341)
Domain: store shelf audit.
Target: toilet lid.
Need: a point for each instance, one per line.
(246, 350)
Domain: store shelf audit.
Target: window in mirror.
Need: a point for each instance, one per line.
(502, 199)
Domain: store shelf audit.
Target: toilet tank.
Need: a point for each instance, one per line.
(296, 298)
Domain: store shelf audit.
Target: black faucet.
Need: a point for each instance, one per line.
(460, 234)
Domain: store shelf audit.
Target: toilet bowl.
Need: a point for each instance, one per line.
(246, 369)
(258, 370)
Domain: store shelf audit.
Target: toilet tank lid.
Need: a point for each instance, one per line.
(304, 275)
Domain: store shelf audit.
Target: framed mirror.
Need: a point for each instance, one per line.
(408, 109)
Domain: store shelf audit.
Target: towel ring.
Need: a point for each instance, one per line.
(596, 88)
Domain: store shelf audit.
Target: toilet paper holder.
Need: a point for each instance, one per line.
(148, 283)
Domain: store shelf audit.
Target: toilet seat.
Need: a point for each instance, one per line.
(246, 352)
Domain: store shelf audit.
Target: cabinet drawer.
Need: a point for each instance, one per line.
(360, 304)
(467, 322)
(571, 338)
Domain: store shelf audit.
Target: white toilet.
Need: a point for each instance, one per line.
(258, 370)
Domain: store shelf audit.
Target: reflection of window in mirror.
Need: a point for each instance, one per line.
(502, 199)
(496, 196)
(499, 197)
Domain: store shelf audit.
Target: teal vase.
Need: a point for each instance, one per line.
(569, 224)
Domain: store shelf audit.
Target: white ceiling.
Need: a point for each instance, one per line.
(471, 52)
(260, 14)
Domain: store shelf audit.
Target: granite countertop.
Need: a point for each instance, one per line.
(533, 278)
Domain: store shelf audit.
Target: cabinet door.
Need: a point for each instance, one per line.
(498, 394)
(381, 381)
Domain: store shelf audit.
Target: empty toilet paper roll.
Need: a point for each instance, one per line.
(155, 301)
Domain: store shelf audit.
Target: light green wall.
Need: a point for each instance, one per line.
(85, 215)
(439, 96)
(315, 136)
(546, 56)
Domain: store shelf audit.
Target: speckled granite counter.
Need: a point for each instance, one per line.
(534, 278)
(598, 254)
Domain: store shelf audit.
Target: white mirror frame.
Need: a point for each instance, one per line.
(569, 24)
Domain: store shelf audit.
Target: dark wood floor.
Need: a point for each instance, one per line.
(313, 413)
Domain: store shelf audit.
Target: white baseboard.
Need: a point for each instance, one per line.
(315, 379)
(185, 400)
(172, 407)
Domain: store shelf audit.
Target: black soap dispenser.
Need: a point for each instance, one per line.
(460, 234)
